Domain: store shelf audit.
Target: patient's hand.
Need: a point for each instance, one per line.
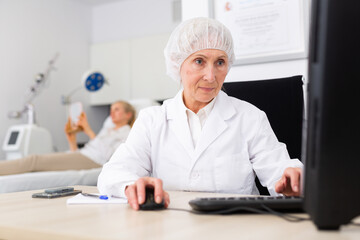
(70, 128)
(70, 136)
(84, 124)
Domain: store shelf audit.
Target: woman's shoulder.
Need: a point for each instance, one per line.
(244, 112)
(151, 115)
(126, 128)
(151, 111)
(160, 109)
(243, 105)
(240, 105)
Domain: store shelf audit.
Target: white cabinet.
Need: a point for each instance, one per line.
(135, 69)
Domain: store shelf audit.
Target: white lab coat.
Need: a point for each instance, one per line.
(236, 143)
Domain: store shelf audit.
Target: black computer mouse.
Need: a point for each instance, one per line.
(150, 203)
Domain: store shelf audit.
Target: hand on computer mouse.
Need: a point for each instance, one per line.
(150, 203)
(136, 193)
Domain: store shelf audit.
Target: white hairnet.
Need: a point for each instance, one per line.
(193, 35)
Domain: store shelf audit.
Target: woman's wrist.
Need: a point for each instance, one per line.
(72, 144)
(90, 133)
(73, 147)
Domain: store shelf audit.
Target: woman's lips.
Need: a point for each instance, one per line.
(207, 89)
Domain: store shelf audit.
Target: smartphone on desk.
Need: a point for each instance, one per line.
(57, 192)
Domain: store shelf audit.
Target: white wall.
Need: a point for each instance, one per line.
(202, 8)
(131, 19)
(128, 39)
(31, 32)
(135, 69)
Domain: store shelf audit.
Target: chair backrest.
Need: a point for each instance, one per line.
(283, 102)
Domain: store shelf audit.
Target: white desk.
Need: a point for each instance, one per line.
(23, 217)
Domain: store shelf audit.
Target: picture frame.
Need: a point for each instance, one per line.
(265, 30)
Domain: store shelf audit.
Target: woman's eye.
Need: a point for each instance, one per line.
(221, 62)
(198, 61)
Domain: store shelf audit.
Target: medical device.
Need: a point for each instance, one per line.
(92, 81)
(25, 139)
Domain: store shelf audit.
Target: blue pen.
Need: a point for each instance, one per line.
(103, 197)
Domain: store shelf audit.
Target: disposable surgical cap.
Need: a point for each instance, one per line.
(193, 35)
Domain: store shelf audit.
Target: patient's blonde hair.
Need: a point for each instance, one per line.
(128, 108)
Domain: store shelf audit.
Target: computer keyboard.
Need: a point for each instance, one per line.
(248, 204)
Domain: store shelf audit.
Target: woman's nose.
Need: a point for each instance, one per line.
(209, 73)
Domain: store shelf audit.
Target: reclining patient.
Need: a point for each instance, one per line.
(93, 155)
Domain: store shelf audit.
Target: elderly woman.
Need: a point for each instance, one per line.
(202, 139)
(93, 155)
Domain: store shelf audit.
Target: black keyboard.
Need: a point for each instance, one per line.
(259, 204)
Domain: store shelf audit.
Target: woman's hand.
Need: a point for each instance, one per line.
(84, 124)
(70, 136)
(289, 184)
(135, 193)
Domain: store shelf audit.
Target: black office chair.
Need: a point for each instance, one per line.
(283, 102)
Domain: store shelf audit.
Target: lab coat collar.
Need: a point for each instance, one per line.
(177, 119)
(176, 108)
(214, 125)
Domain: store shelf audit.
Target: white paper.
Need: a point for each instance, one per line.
(81, 199)
(263, 28)
(76, 109)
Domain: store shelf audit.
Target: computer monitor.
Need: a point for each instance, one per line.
(332, 139)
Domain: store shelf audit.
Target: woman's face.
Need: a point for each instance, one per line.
(118, 114)
(202, 75)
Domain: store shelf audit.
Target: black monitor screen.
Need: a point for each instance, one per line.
(13, 137)
(332, 162)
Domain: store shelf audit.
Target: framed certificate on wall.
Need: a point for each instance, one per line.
(265, 30)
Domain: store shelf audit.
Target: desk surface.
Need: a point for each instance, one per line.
(23, 217)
